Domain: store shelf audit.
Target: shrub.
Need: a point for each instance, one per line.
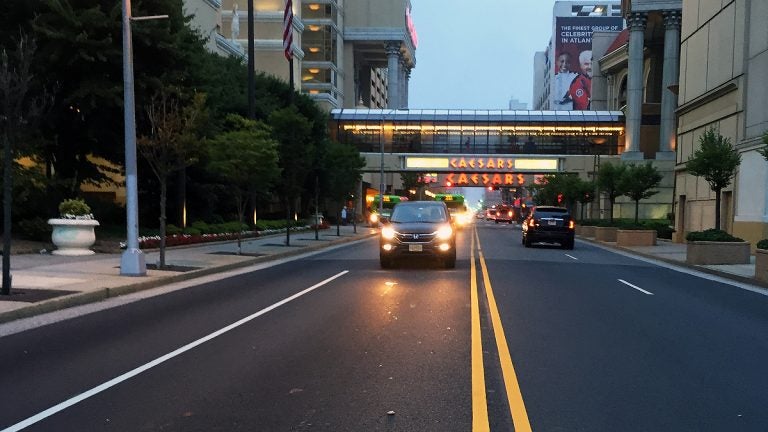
(201, 226)
(712, 235)
(762, 244)
(192, 231)
(74, 207)
(172, 229)
(35, 229)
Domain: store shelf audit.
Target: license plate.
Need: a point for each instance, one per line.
(414, 248)
(551, 222)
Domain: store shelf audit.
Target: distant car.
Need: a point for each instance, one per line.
(418, 228)
(504, 213)
(490, 213)
(549, 224)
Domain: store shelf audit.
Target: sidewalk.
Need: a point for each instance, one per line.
(44, 282)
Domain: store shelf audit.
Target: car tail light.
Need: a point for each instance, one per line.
(509, 214)
(532, 223)
(571, 224)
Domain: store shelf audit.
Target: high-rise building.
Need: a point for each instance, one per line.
(346, 54)
(515, 104)
(563, 72)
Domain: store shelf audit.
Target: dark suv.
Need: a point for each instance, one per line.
(549, 224)
(418, 228)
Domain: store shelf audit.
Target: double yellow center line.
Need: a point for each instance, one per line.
(480, 421)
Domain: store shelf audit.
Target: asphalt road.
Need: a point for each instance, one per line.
(518, 339)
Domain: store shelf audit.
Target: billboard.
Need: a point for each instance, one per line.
(572, 83)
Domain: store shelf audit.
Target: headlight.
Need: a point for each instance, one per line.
(445, 232)
(388, 233)
(374, 218)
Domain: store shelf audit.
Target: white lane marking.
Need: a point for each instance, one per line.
(572, 257)
(128, 375)
(635, 287)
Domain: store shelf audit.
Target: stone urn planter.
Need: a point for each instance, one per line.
(635, 237)
(606, 234)
(585, 231)
(715, 252)
(761, 265)
(73, 237)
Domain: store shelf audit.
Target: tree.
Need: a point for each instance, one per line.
(585, 194)
(246, 158)
(609, 182)
(638, 182)
(343, 165)
(172, 143)
(716, 161)
(561, 189)
(764, 151)
(293, 134)
(19, 109)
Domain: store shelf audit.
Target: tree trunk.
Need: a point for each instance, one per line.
(240, 210)
(717, 209)
(288, 221)
(163, 199)
(637, 211)
(7, 203)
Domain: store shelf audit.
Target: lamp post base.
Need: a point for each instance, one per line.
(132, 263)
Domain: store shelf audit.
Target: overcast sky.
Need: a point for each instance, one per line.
(477, 54)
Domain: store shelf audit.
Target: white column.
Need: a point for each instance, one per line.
(393, 74)
(636, 22)
(671, 71)
(401, 88)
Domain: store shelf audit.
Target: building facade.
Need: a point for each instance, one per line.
(346, 53)
(724, 62)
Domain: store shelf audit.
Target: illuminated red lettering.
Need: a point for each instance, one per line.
(485, 179)
(508, 179)
(496, 179)
(520, 179)
(449, 178)
(474, 178)
(463, 179)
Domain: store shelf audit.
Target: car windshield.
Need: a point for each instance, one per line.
(413, 213)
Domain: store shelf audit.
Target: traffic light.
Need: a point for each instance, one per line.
(448, 183)
(559, 198)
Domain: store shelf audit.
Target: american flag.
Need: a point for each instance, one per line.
(288, 30)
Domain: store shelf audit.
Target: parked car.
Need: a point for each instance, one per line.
(504, 213)
(549, 224)
(418, 228)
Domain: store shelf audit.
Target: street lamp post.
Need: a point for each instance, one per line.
(381, 150)
(132, 262)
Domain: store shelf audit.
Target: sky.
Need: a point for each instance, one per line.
(476, 54)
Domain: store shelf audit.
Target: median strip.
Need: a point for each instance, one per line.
(514, 394)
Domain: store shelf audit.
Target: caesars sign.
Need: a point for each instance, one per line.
(572, 86)
(484, 171)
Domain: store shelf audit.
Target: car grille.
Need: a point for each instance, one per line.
(416, 238)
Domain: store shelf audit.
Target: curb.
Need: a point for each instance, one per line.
(101, 294)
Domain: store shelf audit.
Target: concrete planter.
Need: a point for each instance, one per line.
(606, 234)
(711, 252)
(761, 265)
(73, 237)
(635, 237)
(585, 231)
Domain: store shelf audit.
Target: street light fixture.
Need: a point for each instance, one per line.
(132, 262)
